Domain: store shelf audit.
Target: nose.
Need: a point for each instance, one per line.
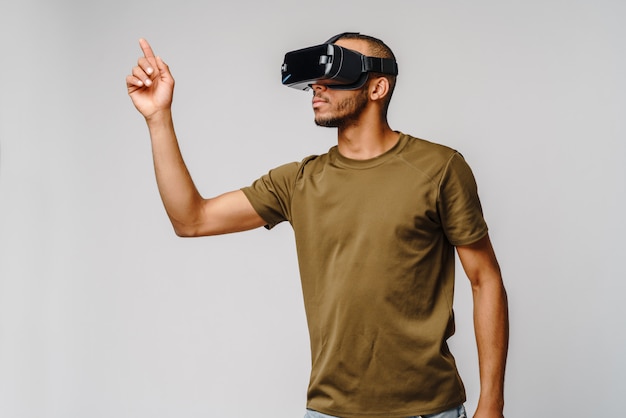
(318, 87)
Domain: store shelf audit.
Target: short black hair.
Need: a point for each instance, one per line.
(378, 48)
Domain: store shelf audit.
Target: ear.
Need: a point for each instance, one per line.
(379, 88)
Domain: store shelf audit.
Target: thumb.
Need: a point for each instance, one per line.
(163, 68)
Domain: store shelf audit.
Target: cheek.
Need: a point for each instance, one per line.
(345, 104)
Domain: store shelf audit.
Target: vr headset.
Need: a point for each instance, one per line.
(344, 68)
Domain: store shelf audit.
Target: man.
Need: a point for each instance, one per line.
(376, 222)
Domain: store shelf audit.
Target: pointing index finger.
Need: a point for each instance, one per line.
(145, 47)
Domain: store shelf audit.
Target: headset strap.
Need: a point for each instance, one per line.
(373, 64)
(380, 65)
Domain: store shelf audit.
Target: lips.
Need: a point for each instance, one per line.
(318, 101)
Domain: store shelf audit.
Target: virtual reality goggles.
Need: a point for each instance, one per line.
(344, 68)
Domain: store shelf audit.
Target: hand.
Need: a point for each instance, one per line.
(488, 412)
(151, 85)
(481, 415)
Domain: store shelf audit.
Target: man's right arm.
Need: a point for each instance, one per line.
(151, 88)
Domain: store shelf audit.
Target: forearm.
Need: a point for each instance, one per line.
(492, 333)
(180, 196)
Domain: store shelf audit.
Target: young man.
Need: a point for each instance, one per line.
(376, 221)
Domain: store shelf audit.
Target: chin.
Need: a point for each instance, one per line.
(326, 119)
(326, 122)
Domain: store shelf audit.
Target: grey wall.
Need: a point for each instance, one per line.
(105, 313)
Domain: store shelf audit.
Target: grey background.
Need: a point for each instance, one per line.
(105, 313)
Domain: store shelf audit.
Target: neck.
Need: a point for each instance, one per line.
(366, 138)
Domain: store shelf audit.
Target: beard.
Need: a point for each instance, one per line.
(346, 113)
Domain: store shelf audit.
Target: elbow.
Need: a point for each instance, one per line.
(193, 230)
(185, 225)
(184, 231)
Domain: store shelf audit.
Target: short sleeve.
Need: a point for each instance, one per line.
(459, 206)
(270, 195)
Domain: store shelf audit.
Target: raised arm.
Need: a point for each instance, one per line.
(491, 323)
(151, 88)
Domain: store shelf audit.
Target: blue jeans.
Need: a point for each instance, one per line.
(457, 412)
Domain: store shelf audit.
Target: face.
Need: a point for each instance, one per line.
(340, 108)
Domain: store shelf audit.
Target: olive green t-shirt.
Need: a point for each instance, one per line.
(375, 242)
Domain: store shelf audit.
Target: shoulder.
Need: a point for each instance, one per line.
(421, 148)
(430, 158)
(311, 165)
